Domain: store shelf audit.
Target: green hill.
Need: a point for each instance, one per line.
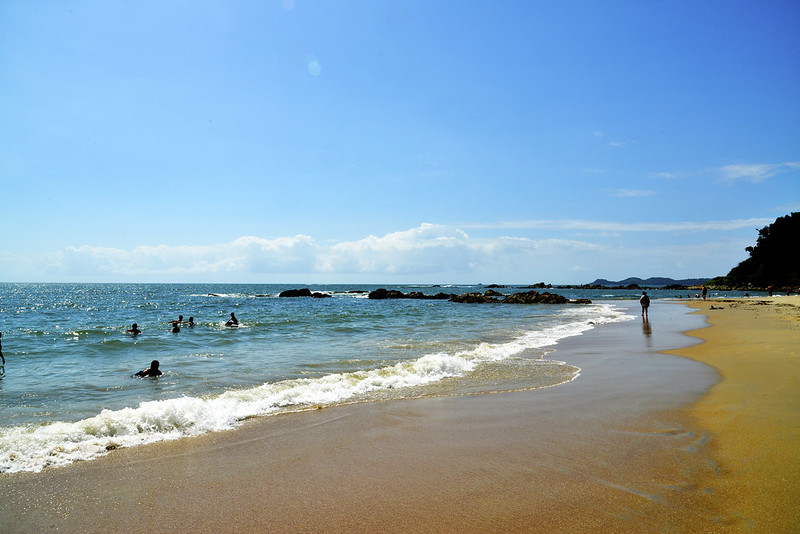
(774, 260)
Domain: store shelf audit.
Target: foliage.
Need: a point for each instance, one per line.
(775, 259)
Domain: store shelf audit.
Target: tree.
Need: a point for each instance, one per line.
(775, 259)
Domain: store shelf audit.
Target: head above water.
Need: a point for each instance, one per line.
(154, 365)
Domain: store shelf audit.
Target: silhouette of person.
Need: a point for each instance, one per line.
(191, 322)
(233, 321)
(644, 300)
(175, 327)
(134, 330)
(153, 370)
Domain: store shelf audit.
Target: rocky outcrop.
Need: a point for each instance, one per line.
(532, 297)
(305, 292)
(472, 298)
(490, 296)
(380, 294)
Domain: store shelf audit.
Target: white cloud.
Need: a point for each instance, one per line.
(611, 226)
(664, 175)
(428, 249)
(245, 254)
(427, 253)
(632, 193)
(754, 173)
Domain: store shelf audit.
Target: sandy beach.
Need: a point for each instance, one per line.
(753, 413)
(642, 441)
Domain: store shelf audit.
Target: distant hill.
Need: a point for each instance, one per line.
(650, 282)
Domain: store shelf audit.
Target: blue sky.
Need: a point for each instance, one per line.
(393, 141)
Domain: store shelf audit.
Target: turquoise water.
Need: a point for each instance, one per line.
(68, 392)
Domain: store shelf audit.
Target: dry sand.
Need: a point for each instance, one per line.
(753, 413)
(614, 451)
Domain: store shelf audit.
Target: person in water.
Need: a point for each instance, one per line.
(175, 327)
(190, 324)
(233, 321)
(153, 370)
(134, 330)
(644, 300)
(1, 349)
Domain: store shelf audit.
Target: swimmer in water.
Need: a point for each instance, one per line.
(233, 321)
(151, 371)
(134, 330)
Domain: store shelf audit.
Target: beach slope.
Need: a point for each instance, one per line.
(753, 413)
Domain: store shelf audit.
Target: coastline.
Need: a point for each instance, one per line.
(752, 413)
(615, 450)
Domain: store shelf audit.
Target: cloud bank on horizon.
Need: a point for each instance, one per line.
(400, 142)
(428, 253)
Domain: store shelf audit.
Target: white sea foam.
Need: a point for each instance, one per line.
(32, 448)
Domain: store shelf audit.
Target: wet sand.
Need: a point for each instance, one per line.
(753, 413)
(616, 450)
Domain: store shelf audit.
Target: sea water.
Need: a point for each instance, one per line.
(69, 393)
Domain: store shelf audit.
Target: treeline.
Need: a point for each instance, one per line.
(774, 260)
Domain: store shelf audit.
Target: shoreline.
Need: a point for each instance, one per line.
(752, 412)
(619, 449)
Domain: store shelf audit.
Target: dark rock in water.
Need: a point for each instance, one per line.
(540, 285)
(532, 297)
(305, 292)
(490, 296)
(550, 298)
(385, 294)
(318, 295)
(496, 286)
(394, 294)
(581, 301)
(377, 294)
(472, 298)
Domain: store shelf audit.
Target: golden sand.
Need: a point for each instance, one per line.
(753, 413)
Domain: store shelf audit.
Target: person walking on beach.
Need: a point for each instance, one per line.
(153, 370)
(644, 300)
(705, 292)
(233, 321)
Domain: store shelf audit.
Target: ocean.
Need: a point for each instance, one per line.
(68, 392)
